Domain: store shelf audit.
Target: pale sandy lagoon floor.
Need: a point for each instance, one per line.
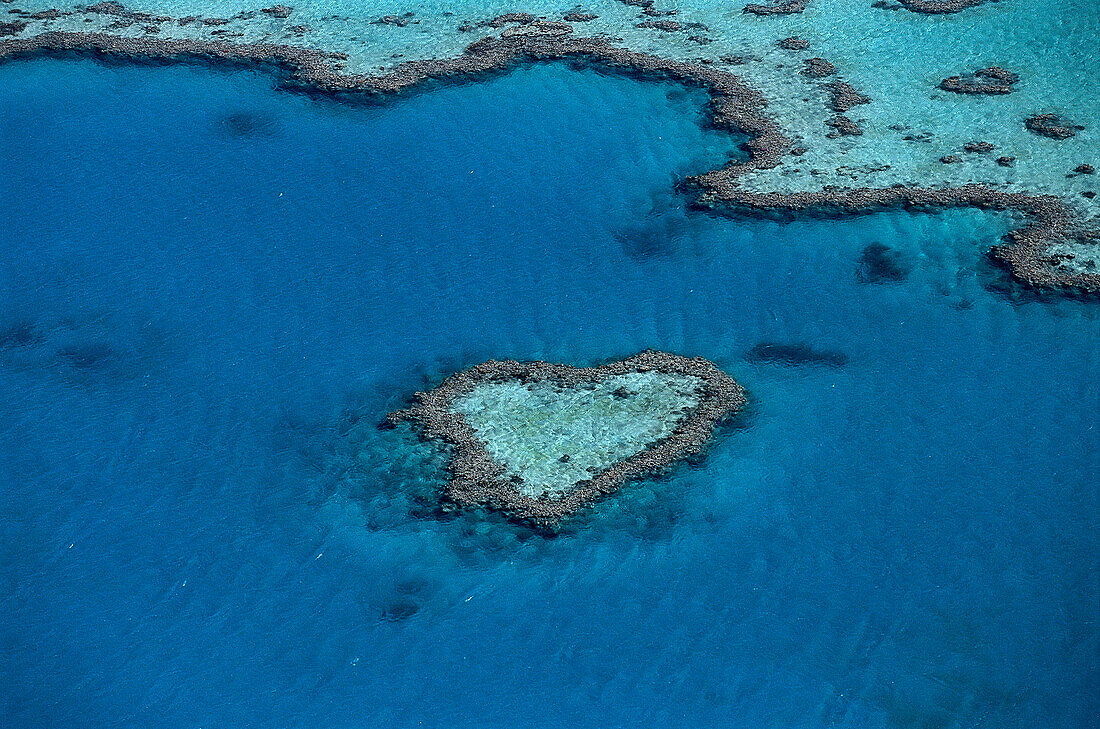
(553, 437)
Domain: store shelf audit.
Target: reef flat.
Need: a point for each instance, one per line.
(1053, 249)
(538, 440)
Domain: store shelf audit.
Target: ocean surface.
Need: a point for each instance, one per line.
(212, 291)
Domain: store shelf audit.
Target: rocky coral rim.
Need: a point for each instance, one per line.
(734, 106)
(478, 480)
(939, 7)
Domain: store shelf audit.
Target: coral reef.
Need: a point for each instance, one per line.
(978, 147)
(479, 479)
(817, 68)
(669, 26)
(843, 97)
(777, 7)
(793, 43)
(279, 11)
(879, 263)
(843, 126)
(1052, 126)
(734, 106)
(993, 80)
(936, 7)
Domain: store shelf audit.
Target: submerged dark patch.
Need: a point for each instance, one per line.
(399, 610)
(655, 240)
(247, 124)
(659, 233)
(23, 334)
(881, 264)
(12, 28)
(1052, 126)
(87, 356)
(993, 80)
(794, 354)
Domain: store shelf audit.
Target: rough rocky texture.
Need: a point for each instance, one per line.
(939, 7)
(1006, 161)
(843, 127)
(978, 147)
(11, 28)
(399, 20)
(478, 480)
(817, 68)
(843, 97)
(880, 264)
(794, 43)
(501, 20)
(993, 80)
(538, 28)
(1052, 126)
(119, 10)
(51, 14)
(951, 159)
(734, 106)
(669, 26)
(794, 355)
(279, 11)
(576, 17)
(777, 7)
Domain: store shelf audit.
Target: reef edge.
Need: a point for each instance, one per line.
(735, 106)
(477, 480)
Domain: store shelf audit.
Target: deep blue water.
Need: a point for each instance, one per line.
(211, 290)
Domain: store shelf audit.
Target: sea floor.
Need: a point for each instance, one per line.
(213, 291)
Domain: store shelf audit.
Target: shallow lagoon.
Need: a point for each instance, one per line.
(214, 291)
(552, 437)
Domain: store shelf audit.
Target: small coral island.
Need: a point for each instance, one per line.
(537, 440)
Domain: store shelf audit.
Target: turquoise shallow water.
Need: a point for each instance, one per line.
(213, 291)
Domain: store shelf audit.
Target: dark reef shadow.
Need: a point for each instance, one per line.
(794, 355)
(407, 596)
(656, 237)
(733, 210)
(670, 221)
(879, 264)
(19, 334)
(88, 355)
(246, 124)
(89, 350)
(399, 609)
